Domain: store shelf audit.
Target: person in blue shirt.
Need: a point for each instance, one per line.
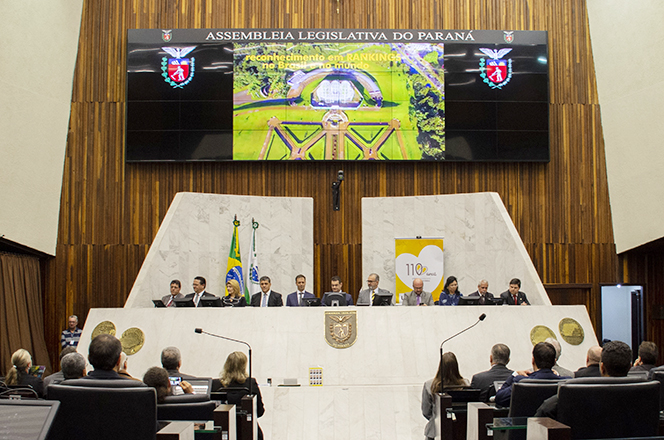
(450, 294)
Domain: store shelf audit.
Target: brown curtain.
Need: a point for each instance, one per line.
(21, 312)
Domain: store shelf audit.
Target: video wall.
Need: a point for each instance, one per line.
(219, 95)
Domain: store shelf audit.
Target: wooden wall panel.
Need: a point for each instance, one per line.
(110, 212)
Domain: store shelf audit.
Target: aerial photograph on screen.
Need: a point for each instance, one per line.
(338, 101)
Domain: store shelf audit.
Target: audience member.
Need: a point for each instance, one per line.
(168, 300)
(234, 297)
(485, 297)
(616, 359)
(513, 296)
(123, 368)
(58, 377)
(267, 297)
(450, 294)
(557, 368)
(71, 334)
(73, 366)
(592, 363)
(647, 357)
(499, 358)
(157, 378)
(199, 292)
(104, 354)
(336, 284)
(234, 377)
(451, 380)
(417, 297)
(18, 374)
(296, 298)
(544, 358)
(171, 360)
(366, 297)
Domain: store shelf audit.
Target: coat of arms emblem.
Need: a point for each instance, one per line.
(496, 72)
(166, 35)
(341, 328)
(508, 36)
(178, 71)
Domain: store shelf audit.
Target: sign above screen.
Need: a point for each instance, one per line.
(311, 94)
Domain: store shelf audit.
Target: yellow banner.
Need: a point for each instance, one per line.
(419, 258)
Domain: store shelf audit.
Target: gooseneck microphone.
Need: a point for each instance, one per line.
(201, 331)
(442, 365)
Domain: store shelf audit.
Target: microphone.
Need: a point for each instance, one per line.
(442, 365)
(201, 331)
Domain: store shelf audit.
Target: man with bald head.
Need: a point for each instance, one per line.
(592, 363)
(418, 297)
(485, 297)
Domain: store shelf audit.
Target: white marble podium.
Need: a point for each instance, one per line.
(397, 349)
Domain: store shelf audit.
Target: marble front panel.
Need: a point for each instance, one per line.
(480, 240)
(195, 236)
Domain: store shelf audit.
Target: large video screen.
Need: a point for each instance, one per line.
(202, 95)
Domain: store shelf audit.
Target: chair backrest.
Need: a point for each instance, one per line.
(609, 410)
(528, 395)
(104, 413)
(189, 411)
(659, 376)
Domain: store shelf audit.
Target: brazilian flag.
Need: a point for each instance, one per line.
(234, 266)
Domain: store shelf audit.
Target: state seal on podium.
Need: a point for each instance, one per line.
(341, 328)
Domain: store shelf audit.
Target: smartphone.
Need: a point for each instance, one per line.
(37, 370)
(175, 381)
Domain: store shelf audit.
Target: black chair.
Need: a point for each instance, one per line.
(658, 375)
(189, 407)
(22, 391)
(609, 407)
(104, 413)
(527, 396)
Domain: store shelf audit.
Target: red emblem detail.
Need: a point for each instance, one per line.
(496, 70)
(178, 69)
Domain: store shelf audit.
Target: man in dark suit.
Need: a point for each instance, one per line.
(168, 300)
(296, 298)
(366, 297)
(592, 363)
(171, 360)
(267, 297)
(647, 359)
(105, 354)
(499, 357)
(483, 293)
(513, 296)
(336, 284)
(199, 292)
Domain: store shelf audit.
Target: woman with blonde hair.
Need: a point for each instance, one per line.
(234, 297)
(235, 381)
(18, 373)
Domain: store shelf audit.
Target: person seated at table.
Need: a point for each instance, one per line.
(237, 383)
(157, 378)
(482, 292)
(19, 372)
(450, 294)
(234, 297)
(452, 380)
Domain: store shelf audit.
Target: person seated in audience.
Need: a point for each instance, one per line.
(19, 372)
(592, 363)
(562, 371)
(616, 360)
(296, 299)
(647, 357)
(266, 297)
(485, 297)
(157, 378)
(104, 354)
(513, 296)
(417, 297)
(171, 360)
(234, 297)
(544, 358)
(452, 380)
(169, 300)
(58, 377)
(366, 297)
(450, 294)
(336, 285)
(235, 380)
(73, 366)
(499, 358)
(123, 368)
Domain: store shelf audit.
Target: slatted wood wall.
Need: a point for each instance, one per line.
(110, 211)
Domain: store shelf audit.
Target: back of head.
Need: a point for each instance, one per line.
(21, 359)
(72, 365)
(451, 375)
(616, 358)
(235, 369)
(171, 358)
(594, 355)
(544, 355)
(500, 353)
(157, 378)
(65, 351)
(104, 352)
(556, 345)
(648, 352)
